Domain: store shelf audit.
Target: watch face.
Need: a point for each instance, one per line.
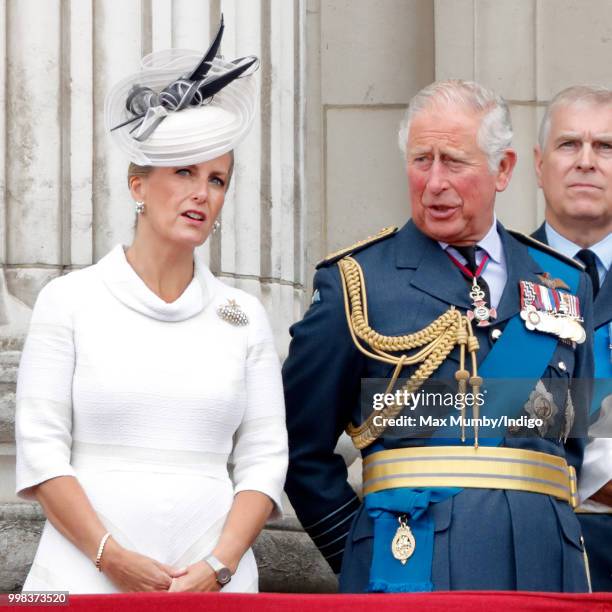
(224, 575)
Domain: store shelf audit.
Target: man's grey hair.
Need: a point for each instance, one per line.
(578, 95)
(495, 132)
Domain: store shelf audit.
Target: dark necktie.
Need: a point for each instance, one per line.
(588, 258)
(469, 252)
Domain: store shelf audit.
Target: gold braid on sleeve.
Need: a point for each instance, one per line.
(431, 346)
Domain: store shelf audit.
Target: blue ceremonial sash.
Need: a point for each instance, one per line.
(387, 574)
(603, 367)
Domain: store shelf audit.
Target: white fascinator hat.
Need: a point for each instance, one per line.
(181, 107)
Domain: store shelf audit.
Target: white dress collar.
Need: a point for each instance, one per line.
(127, 287)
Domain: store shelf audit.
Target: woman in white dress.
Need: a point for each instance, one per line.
(150, 418)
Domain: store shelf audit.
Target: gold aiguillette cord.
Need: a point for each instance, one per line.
(435, 342)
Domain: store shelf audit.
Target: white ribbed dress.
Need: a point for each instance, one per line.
(162, 411)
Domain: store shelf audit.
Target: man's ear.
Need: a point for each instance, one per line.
(505, 169)
(538, 158)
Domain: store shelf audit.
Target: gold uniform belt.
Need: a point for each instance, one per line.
(469, 467)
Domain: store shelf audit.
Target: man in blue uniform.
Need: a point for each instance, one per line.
(574, 168)
(451, 296)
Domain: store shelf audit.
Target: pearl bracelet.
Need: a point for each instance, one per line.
(101, 550)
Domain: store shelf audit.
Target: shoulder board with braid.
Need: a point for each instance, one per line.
(385, 232)
(536, 244)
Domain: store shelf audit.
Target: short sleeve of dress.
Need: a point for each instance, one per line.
(43, 418)
(259, 455)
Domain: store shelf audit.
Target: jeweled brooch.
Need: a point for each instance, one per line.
(232, 313)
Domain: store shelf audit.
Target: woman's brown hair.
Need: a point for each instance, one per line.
(136, 170)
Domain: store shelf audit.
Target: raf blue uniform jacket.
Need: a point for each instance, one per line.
(484, 539)
(596, 528)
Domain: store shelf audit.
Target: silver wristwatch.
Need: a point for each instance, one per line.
(222, 573)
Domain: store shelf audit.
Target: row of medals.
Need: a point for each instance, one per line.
(560, 323)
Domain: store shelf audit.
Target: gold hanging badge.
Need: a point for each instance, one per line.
(403, 543)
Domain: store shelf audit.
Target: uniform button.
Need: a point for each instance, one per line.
(562, 366)
(496, 334)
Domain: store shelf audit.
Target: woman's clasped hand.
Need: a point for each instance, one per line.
(133, 572)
